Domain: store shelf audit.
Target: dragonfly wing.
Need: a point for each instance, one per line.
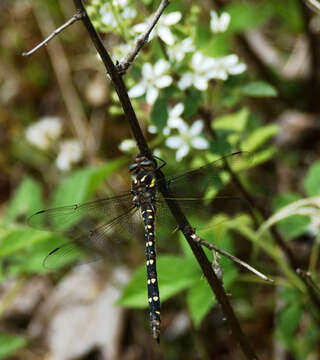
(205, 212)
(94, 245)
(79, 218)
(196, 182)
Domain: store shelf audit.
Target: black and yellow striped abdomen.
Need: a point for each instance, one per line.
(148, 214)
(143, 190)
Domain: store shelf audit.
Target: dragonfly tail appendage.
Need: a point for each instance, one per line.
(152, 279)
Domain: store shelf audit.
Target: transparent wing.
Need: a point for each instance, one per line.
(195, 183)
(201, 211)
(94, 245)
(78, 219)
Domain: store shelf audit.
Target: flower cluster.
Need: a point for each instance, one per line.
(195, 71)
(184, 137)
(44, 134)
(153, 78)
(112, 15)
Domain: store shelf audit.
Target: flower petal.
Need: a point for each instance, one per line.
(137, 90)
(151, 95)
(237, 69)
(176, 123)
(163, 81)
(152, 129)
(196, 128)
(147, 71)
(174, 142)
(166, 131)
(214, 21)
(199, 143)
(218, 73)
(161, 67)
(182, 152)
(171, 18)
(185, 81)
(224, 21)
(166, 35)
(139, 28)
(177, 110)
(200, 82)
(127, 145)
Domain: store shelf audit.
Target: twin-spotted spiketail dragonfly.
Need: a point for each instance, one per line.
(119, 214)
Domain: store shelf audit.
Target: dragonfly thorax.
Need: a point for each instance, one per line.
(143, 187)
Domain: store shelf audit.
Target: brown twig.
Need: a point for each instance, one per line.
(210, 246)
(117, 81)
(307, 276)
(142, 39)
(74, 18)
(183, 223)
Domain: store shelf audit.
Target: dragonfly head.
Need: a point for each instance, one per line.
(141, 162)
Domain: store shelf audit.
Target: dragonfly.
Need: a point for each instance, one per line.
(142, 201)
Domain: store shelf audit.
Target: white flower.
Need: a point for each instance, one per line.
(71, 151)
(200, 75)
(205, 68)
(179, 49)
(44, 132)
(225, 66)
(188, 137)
(153, 78)
(174, 120)
(127, 145)
(219, 24)
(162, 28)
(122, 50)
(108, 16)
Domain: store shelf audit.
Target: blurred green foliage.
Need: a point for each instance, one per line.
(238, 112)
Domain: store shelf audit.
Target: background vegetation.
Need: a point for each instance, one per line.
(64, 140)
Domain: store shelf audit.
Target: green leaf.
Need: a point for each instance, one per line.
(159, 115)
(31, 260)
(26, 200)
(288, 320)
(217, 46)
(312, 180)
(174, 275)
(10, 343)
(258, 89)
(192, 102)
(291, 16)
(262, 156)
(79, 185)
(200, 300)
(19, 239)
(236, 121)
(258, 137)
(220, 145)
(203, 36)
(246, 16)
(294, 225)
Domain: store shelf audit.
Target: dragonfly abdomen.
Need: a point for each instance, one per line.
(148, 214)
